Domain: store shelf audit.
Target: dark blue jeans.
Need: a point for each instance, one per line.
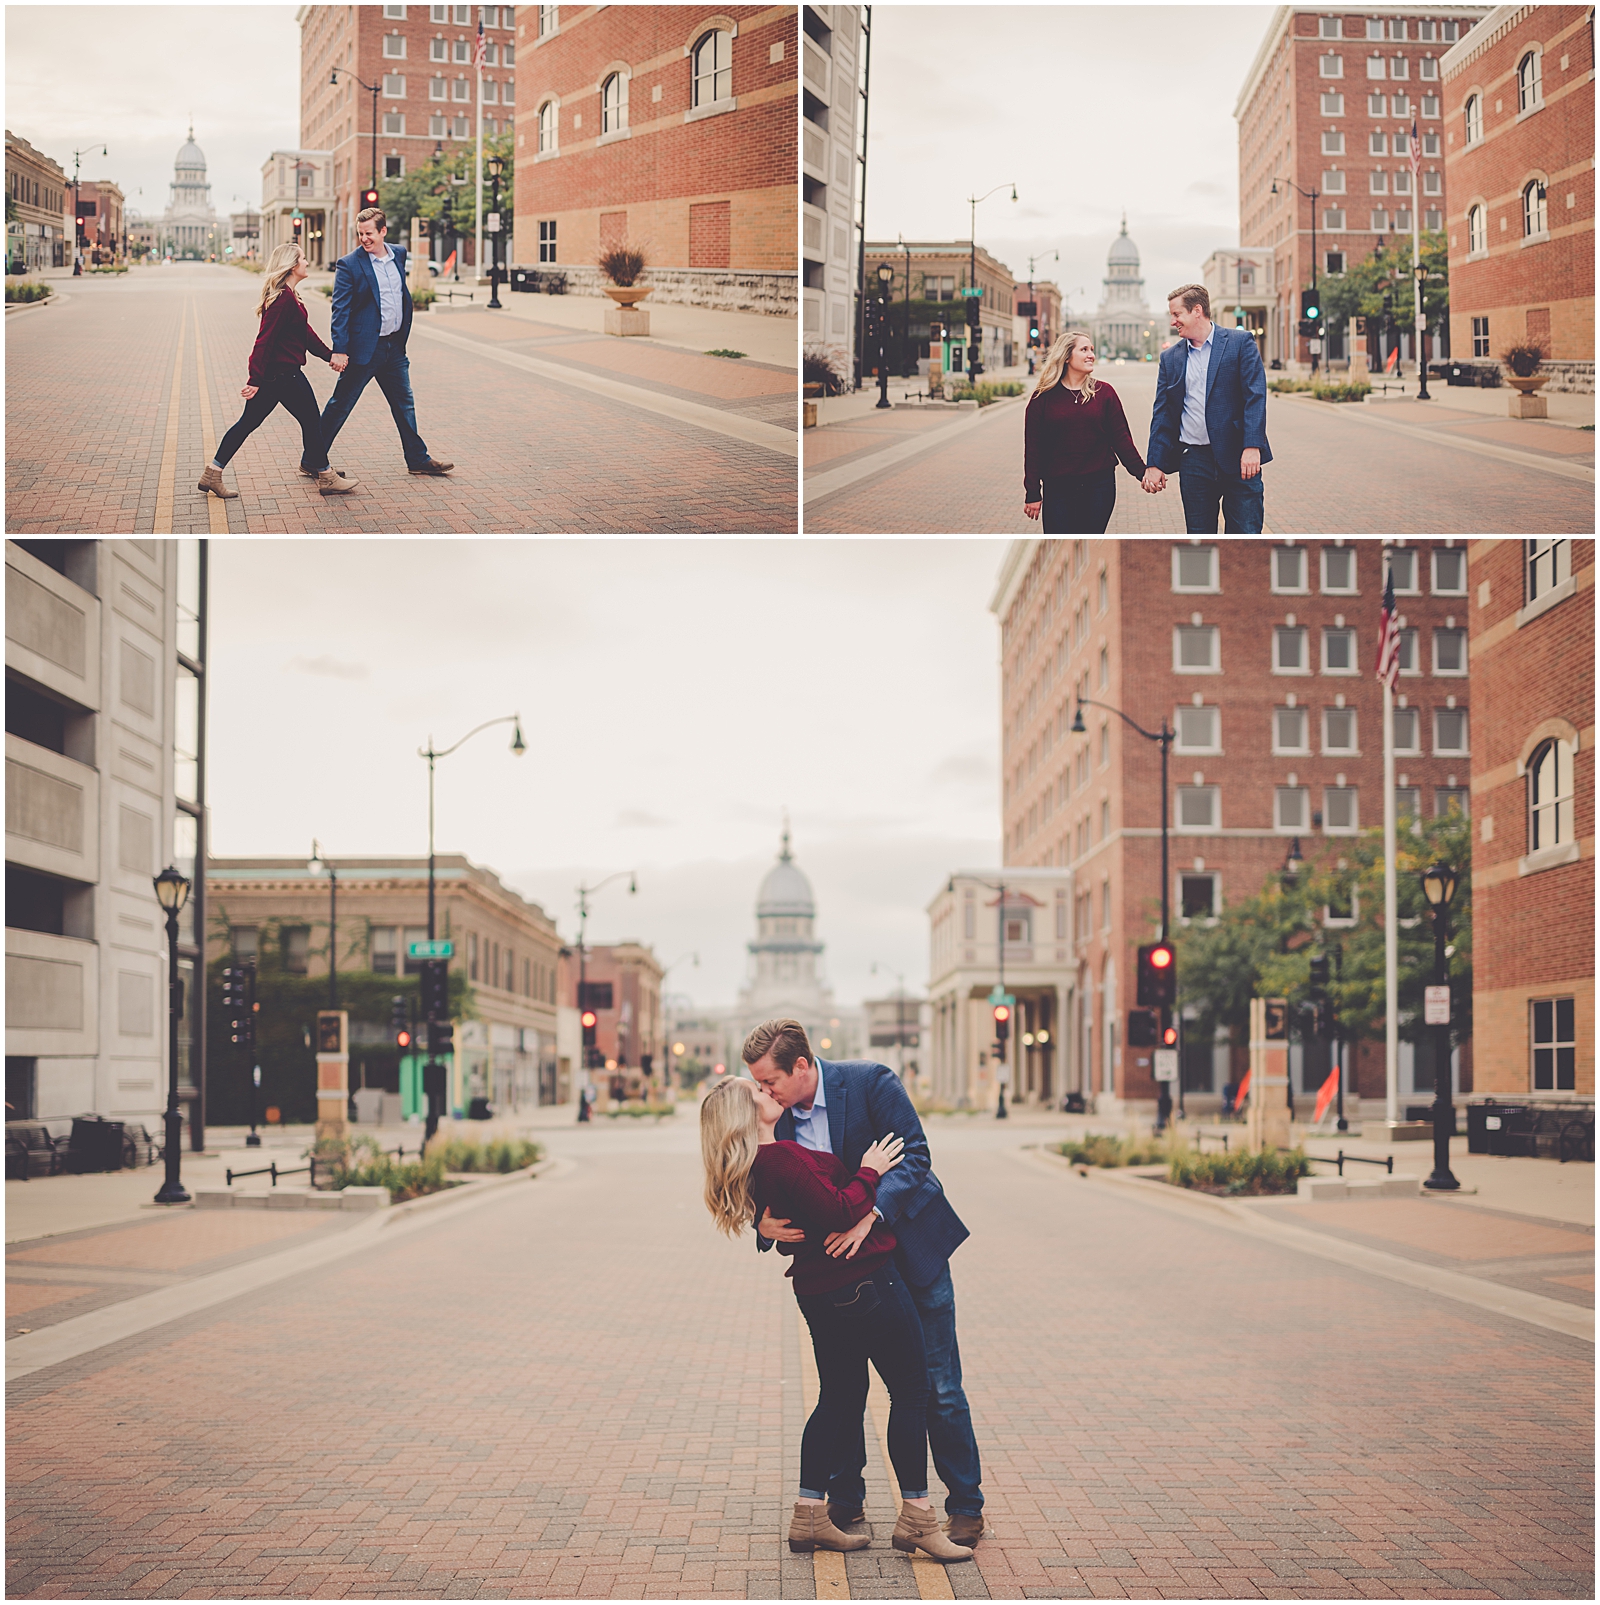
(950, 1436)
(285, 386)
(1203, 486)
(392, 369)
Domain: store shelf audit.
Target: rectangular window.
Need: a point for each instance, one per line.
(1426, 32)
(1333, 183)
(508, 56)
(1197, 895)
(461, 52)
(1549, 562)
(384, 951)
(1289, 650)
(461, 89)
(1377, 143)
(1399, 106)
(1288, 568)
(1402, 220)
(1403, 569)
(489, 97)
(394, 13)
(548, 16)
(1291, 808)
(1430, 144)
(491, 58)
(1554, 1033)
(1449, 571)
(394, 86)
(1430, 106)
(1450, 651)
(1194, 568)
(1197, 730)
(1377, 105)
(1428, 69)
(1397, 30)
(438, 90)
(1333, 106)
(246, 941)
(1194, 649)
(1332, 145)
(1333, 221)
(1339, 731)
(1446, 798)
(1289, 727)
(295, 944)
(1339, 569)
(1399, 66)
(1105, 821)
(1433, 183)
(1378, 183)
(1339, 652)
(1198, 808)
(1331, 66)
(1480, 337)
(438, 50)
(1407, 730)
(1433, 219)
(438, 13)
(1407, 802)
(1340, 816)
(1328, 28)
(1447, 32)
(1402, 178)
(547, 240)
(1374, 28)
(1376, 67)
(1449, 732)
(438, 127)
(1408, 652)
(394, 45)
(394, 122)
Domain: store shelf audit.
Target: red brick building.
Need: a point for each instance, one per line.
(1328, 105)
(100, 221)
(420, 58)
(666, 127)
(1519, 160)
(1259, 654)
(1533, 799)
(624, 981)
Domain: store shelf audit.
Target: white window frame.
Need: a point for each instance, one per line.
(394, 46)
(1330, 65)
(549, 21)
(1304, 749)
(439, 89)
(394, 78)
(1333, 221)
(1390, 554)
(1304, 587)
(461, 52)
(1329, 631)
(1560, 806)
(1329, 28)
(1377, 69)
(1430, 142)
(1530, 92)
(394, 124)
(1550, 555)
(1215, 744)
(1377, 143)
(1460, 554)
(1460, 797)
(1553, 1046)
(1430, 107)
(1378, 182)
(1377, 104)
(1408, 651)
(1450, 674)
(1465, 749)
(1333, 145)
(1399, 69)
(614, 116)
(1414, 809)
(698, 100)
(438, 49)
(1340, 590)
(1215, 638)
(1535, 210)
(1336, 108)
(1401, 184)
(1303, 822)
(394, 13)
(1411, 718)
(548, 128)
(1332, 184)
(1477, 231)
(1216, 896)
(1210, 588)
(1215, 794)
(461, 91)
(1354, 749)
(1428, 69)
(1279, 631)
(1472, 118)
(1433, 182)
(1354, 827)
(1343, 922)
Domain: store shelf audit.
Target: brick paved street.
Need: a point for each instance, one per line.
(108, 424)
(1496, 475)
(576, 1389)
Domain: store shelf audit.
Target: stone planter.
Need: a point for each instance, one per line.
(1525, 404)
(626, 317)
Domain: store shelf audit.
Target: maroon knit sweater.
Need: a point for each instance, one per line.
(285, 337)
(816, 1192)
(1067, 436)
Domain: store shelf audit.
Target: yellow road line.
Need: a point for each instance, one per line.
(827, 1564)
(933, 1581)
(216, 507)
(169, 446)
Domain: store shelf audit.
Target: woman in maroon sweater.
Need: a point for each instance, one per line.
(277, 376)
(857, 1308)
(1075, 436)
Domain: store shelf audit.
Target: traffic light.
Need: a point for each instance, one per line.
(974, 311)
(1169, 1037)
(1143, 1028)
(1033, 332)
(251, 1007)
(936, 333)
(441, 1037)
(233, 1003)
(1319, 971)
(435, 989)
(299, 224)
(399, 1022)
(1309, 309)
(1002, 1022)
(1158, 976)
(369, 197)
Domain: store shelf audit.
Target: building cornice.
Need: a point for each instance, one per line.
(1258, 67)
(1489, 31)
(1012, 568)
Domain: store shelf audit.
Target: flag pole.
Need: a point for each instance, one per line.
(477, 261)
(1391, 929)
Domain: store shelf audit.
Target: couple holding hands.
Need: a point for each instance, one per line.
(1208, 425)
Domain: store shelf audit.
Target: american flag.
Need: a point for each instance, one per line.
(1416, 144)
(1387, 667)
(478, 56)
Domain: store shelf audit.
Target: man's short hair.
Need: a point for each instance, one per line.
(372, 214)
(785, 1040)
(1192, 296)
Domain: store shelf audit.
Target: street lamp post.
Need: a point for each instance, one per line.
(320, 866)
(496, 167)
(976, 338)
(885, 274)
(907, 363)
(88, 150)
(1439, 887)
(1000, 1074)
(584, 894)
(1312, 195)
(172, 892)
(1163, 738)
(1422, 333)
(371, 89)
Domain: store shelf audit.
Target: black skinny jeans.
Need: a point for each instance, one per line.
(288, 387)
(871, 1320)
(1080, 504)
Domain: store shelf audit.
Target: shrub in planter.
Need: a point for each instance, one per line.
(1107, 1152)
(27, 292)
(1239, 1174)
(1524, 359)
(423, 299)
(622, 264)
(503, 1154)
(821, 368)
(1350, 392)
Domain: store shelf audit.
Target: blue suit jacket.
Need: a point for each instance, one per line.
(866, 1101)
(357, 310)
(1236, 402)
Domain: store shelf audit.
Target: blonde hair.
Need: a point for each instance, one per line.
(729, 1136)
(279, 266)
(1055, 365)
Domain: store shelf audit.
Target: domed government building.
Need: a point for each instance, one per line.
(189, 224)
(1123, 325)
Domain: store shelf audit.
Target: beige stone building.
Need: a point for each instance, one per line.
(507, 947)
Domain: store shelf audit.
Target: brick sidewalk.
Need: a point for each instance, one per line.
(108, 428)
(581, 1391)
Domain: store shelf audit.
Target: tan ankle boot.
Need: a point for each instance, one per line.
(918, 1528)
(810, 1529)
(211, 480)
(331, 483)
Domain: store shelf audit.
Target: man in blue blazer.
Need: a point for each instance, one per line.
(1209, 421)
(845, 1107)
(371, 324)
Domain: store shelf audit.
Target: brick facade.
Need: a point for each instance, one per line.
(412, 120)
(39, 235)
(1533, 937)
(707, 184)
(100, 217)
(629, 1032)
(1529, 287)
(1282, 122)
(1101, 619)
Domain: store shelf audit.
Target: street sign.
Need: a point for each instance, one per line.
(491, 222)
(1316, 348)
(1166, 1066)
(1436, 1005)
(430, 950)
(996, 995)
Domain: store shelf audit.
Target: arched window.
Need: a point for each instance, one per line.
(1477, 233)
(1528, 81)
(1550, 795)
(614, 104)
(1534, 217)
(713, 67)
(547, 127)
(1474, 119)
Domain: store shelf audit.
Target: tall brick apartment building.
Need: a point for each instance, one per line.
(1519, 155)
(1328, 105)
(667, 127)
(1260, 655)
(1533, 800)
(420, 58)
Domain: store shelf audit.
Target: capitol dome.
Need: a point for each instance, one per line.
(785, 892)
(1122, 248)
(190, 155)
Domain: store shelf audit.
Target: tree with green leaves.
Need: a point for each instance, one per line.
(444, 189)
(1380, 285)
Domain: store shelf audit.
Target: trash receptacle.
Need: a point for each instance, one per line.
(478, 1109)
(522, 279)
(96, 1144)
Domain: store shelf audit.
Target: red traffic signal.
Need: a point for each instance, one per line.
(369, 197)
(1002, 1021)
(1169, 1037)
(589, 1019)
(1157, 976)
(1160, 957)
(402, 1039)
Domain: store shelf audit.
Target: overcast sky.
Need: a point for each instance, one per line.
(129, 77)
(1089, 110)
(676, 697)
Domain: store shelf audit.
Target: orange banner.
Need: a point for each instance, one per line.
(1325, 1097)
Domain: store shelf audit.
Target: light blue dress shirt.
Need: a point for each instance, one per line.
(811, 1125)
(1192, 430)
(390, 304)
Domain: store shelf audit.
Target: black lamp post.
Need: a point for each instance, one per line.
(1312, 195)
(1422, 333)
(371, 89)
(496, 166)
(1163, 739)
(1000, 887)
(172, 892)
(885, 274)
(583, 950)
(320, 866)
(1439, 887)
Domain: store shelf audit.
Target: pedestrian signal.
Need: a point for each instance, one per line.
(1158, 976)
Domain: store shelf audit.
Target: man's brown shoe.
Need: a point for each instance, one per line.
(845, 1515)
(965, 1530)
(433, 466)
(810, 1529)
